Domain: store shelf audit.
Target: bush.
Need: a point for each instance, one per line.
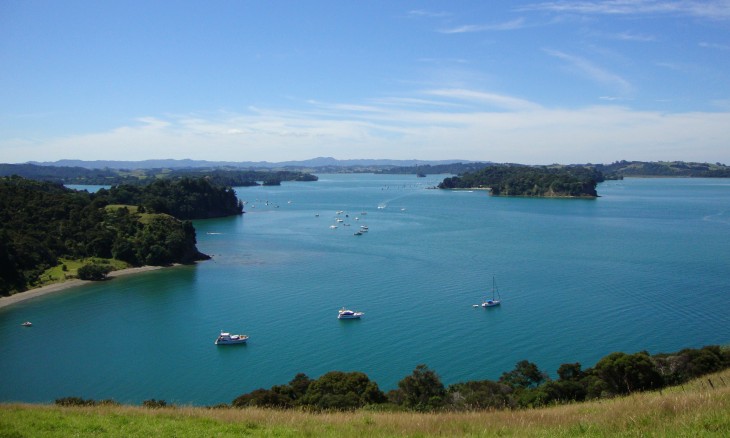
(94, 272)
(422, 390)
(74, 401)
(154, 404)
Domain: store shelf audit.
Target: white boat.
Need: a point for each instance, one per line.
(349, 314)
(27, 324)
(226, 338)
(496, 299)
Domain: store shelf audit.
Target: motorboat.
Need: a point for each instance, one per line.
(226, 338)
(349, 314)
(27, 324)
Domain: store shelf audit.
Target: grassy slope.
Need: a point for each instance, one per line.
(694, 409)
(56, 274)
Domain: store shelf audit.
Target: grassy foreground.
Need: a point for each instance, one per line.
(699, 408)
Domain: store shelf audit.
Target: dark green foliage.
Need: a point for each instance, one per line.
(690, 363)
(517, 180)
(335, 390)
(217, 176)
(339, 390)
(154, 404)
(280, 396)
(431, 169)
(75, 401)
(525, 375)
(41, 222)
(483, 394)
(625, 373)
(523, 387)
(422, 390)
(184, 199)
(265, 398)
(94, 272)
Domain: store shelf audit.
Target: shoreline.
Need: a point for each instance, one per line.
(68, 284)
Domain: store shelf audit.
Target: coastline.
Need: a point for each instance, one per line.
(68, 284)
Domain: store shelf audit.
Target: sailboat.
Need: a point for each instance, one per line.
(496, 299)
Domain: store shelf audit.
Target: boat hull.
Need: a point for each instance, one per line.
(231, 342)
(229, 339)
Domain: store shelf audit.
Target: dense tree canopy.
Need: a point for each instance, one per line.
(216, 175)
(186, 198)
(517, 180)
(524, 386)
(41, 222)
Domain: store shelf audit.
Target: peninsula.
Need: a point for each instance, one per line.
(49, 233)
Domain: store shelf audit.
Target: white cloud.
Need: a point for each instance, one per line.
(519, 131)
(709, 9)
(517, 23)
(593, 72)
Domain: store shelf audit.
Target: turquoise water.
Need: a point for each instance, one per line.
(646, 266)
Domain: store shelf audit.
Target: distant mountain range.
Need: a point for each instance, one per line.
(318, 162)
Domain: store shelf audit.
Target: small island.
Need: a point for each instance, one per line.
(533, 181)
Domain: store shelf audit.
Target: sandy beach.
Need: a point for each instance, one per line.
(68, 284)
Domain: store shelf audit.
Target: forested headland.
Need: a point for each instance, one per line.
(521, 180)
(106, 176)
(43, 223)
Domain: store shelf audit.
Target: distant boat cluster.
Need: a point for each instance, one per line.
(340, 220)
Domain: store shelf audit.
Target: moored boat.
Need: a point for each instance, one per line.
(226, 338)
(496, 299)
(27, 324)
(349, 314)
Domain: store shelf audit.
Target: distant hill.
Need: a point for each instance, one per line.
(625, 168)
(187, 163)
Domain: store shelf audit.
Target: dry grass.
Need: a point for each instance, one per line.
(695, 409)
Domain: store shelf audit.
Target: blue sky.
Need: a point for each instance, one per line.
(532, 82)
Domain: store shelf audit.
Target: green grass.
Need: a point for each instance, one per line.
(695, 409)
(58, 274)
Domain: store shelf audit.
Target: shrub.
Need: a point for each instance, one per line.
(94, 272)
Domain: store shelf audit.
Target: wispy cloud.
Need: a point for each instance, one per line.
(711, 9)
(707, 45)
(479, 97)
(630, 36)
(593, 72)
(428, 14)
(515, 24)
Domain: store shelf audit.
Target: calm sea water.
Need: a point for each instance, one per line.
(644, 267)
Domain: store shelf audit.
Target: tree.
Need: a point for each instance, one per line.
(422, 390)
(484, 394)
(94, 272)
(525, 375)
(342, 391)
(625, 373)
